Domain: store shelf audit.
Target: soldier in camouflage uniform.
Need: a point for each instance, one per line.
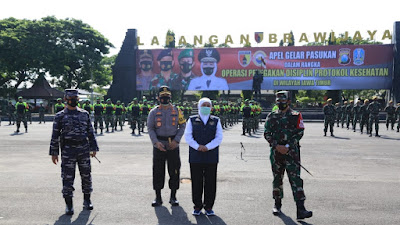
(109, 117)
(73, 133)
(391, 115)
(364, 116)
(373, 110)
(398, 116)
(145, 112)
(21, 109)
(338, 115)
(283, 130)
(349, 114)
(135, 111)
(118, 115)
(246, 115)
(166, 126)
(98, 115)
(357, 114)
(329, 114)
(344, 113)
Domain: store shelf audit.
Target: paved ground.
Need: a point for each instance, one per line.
(356, 181)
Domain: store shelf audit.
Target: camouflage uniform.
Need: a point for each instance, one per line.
(338, 109)
(118, 115)
(21, 109)
(59, 106)
(109, 117)
(364, 116)
(246, 115)
(357, 115)
(145, 112)
(98, 116)
(373, 109)
(329, 120)
(390, 116)
(42, 110)
(349, 114)
(135, 111)
(344, 113)
(11, 113)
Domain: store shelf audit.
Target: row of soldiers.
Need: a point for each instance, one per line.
(227, 112)
(12, 113)
(251, 115)
(363, 112)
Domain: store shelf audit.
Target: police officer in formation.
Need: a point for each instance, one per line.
(21, 108)
(166, 125)
(145, 112)
(329, 114)
(73, 134)
(98, 115)
(349, 114)
(390, 115)
(344, 113)
(283, 130)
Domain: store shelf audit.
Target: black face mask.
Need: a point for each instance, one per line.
(186, 67)
(73, 102)
(146, 65)
(208, 70)
(282, 105)
(166, 65)
(164, 100)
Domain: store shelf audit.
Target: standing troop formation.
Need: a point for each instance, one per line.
(363, 112)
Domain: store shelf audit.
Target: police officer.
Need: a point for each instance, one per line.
(373, 110)
(21, 107)
(145, 112)
(73, 133)
(283, 130)
(349, 114)
(390, 116)
(98, 115)
(329, 114)
(246, 115)
(398, 116)
(166, 126)
(146, 70)
(59, 106)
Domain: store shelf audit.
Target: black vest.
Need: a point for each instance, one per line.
(204, 134)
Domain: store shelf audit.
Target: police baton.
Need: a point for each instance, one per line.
(298, 163)
(242, 151)
(97, 159)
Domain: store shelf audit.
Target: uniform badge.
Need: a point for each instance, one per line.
(344, 56)
(158, 124)
(358, 56)
(212, 123)
(258, 36)
(244, 58)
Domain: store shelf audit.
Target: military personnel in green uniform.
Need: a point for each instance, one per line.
(166, 76)
(21, 108)
(109, 115)
(338, 115)
(283, 130)
(42, 110)
(136, 112)
(374, 109)
(29, 113)
(356, 115)
(344, 112)
(88, 107)
(186, 64)
(398, 116)
(364, 116)
(11, 113)
(349, 114)
(390, 115)
(118, 115)
(98, 115)
(246, 115)
(59, 106)
(329, 114)
(166, 126)
(144, 113)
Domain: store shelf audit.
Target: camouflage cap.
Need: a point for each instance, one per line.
(337, 103)
(187, 53)
(366, 100)
(351, 101)
(118, 101)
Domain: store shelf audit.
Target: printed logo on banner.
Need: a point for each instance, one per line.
(258, 36)
(344, 56)
(358, 56)
(258, 58)
(244, 58)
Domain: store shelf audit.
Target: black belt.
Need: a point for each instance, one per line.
(165, 138)
(74, 142)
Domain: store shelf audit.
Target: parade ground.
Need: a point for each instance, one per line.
(355, 180)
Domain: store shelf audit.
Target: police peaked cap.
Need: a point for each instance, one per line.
(284, 95)
(209, 55)
(187, 53)
(143, 54)
(164, 90)
(71, 93)
(163, 53)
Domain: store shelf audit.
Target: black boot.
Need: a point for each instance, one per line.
(69, 209)
(173, 200)
(302, 213)
(87, 204)
(324, 133)
(332, 134)
(244, 133)
(377, 135)
(101, 131)
(158, 200)
(107, 130)
(26, 130)
(276, 210)
(133, 131)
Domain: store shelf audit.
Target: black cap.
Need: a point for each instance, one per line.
(164, 90)
(209, 55)
(71, 93)
(163, 53)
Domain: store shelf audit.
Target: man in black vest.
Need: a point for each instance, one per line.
(203, 134)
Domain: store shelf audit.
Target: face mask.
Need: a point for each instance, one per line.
(146, 65)
(205, 110)
(166, 65)
(282, 105)
(164, 100)
(208, 70)
(73, 102)
(186, 67)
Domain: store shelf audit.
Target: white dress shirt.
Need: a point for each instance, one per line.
(212, 144)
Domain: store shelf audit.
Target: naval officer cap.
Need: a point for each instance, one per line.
(164, 90)
(71, 93)
(187, 53)
(209, 55)
(164, 53)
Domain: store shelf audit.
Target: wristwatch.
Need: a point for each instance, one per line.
(287, 145)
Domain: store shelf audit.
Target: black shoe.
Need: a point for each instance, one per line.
(332, 135)
(276, 210)
(361, 132)
(26, 130)
(107, 130)
(157, 202)
(87, 204)
(377, 135)
(174, 202)
(17, 131)
(101, 131)
(302, 213)
(133, 132)
(69, 209)
(354, 130)
(370, 134)
(324, 133)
